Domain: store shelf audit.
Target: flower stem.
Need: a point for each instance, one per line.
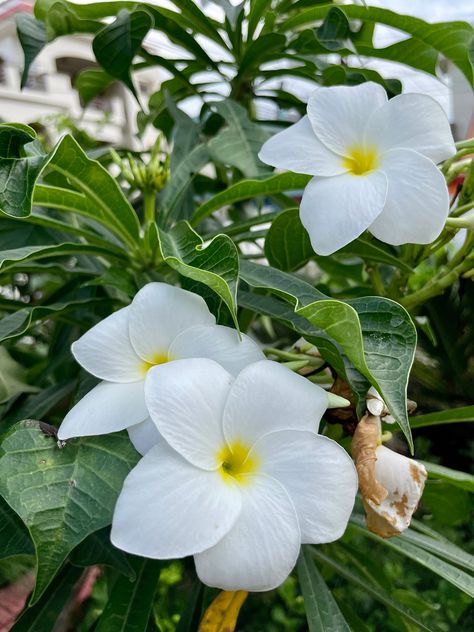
(149, 207)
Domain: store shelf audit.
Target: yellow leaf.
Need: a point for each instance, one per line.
(221, 616)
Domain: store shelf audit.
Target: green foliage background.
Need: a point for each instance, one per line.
(77, 242)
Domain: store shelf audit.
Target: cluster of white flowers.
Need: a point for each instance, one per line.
(373, 162)
(234, 471)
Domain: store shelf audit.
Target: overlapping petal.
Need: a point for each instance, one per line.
(261, 549)
(298, 149)
(106, 352)
(218, 343)
(417, 202)
(168, 508)
(266, 397)
(144, 435)
(335, 211)
(108, 407)
(186, 401)
(412, 121)
(158, 313)
(339, 114)
(319, 476)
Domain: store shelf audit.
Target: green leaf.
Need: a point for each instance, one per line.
(216, 265)
(334, 31)
(12, 378)
(370, 589)
(61, 20)
(129, 605)
(14, 538)
(39, 404)
(43, 616)
(376, 334)
(453, 477)
(13, 136)
(33, 253)
(261, 50)
(98, 549)
(189, 618)
(238, 144)
(116, 44)
(32, 36)
(62, 495)
(256, 12)
(453, 416)
(19, 322)
(90, 83)
(322, 611)
(452, 39)
(288, 247)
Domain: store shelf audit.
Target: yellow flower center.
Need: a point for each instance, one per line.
(158, 358)
(361, 160)
(236, 461)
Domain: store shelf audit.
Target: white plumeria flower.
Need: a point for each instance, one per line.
(163, 323)
(373, 162)
(242, 479)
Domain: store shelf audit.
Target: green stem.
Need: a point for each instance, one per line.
(149, 206)
(376, 279)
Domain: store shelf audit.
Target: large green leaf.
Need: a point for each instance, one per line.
(32, 36)
(216, 265)
(129, 605)
(90, 83)
(116, 44)
(452, 39)
(62, 495)
(96, 193)
(61, 19)
(246, 189)
(98, 549)
(322, 611)
(376, 334)
(238, 144)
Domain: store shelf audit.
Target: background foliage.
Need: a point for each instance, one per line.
(78, 238)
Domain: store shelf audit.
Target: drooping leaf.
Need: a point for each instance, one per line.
(32, 36)
(376, 334)
(116, 44)
(92, 82)
(222, 613)
(129, 605)
(216, 265)
(62, 495)
(322, 611)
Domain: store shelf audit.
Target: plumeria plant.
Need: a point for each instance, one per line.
(208, 342)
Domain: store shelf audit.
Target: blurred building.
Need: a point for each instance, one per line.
(110, 117)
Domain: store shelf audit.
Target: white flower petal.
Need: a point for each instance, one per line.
(298, 149)
(106, 351)
(144, 435)
(339, 114)
(404, 480)
(261, 549)
(412, 121)
(168, 508)
(159, 312)
(108, 407)
(218, 343)
(266, 397)
(319, 476)
(186, 399)
(335, 211)
(417, 203)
